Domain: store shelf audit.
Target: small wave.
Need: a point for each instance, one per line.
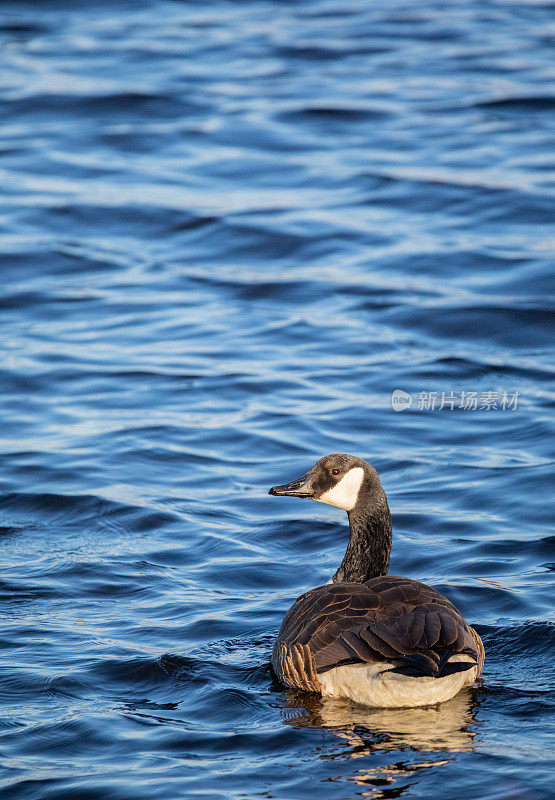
(525, 640)
(326, 114)
(540, 102)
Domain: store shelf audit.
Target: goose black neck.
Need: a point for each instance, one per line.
(369, 548)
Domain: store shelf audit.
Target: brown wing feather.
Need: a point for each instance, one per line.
(384, 619)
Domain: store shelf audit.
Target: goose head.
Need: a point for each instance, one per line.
(339, 480)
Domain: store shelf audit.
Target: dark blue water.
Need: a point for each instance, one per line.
(229, 232)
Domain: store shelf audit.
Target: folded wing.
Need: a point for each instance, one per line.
(408, 626)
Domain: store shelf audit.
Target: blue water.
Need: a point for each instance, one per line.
(229, 232)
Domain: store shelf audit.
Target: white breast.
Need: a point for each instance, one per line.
(345, 493)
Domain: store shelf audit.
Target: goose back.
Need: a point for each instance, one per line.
(404, 625)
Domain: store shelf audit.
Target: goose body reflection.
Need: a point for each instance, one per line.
(376, 639)
(446, 727)
(435, 733)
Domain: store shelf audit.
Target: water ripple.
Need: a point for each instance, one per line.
(230, 231)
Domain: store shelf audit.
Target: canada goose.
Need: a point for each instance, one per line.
(366, 635)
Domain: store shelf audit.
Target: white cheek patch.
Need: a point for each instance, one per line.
(345, 493)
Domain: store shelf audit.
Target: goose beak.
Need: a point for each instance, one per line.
(301, 487)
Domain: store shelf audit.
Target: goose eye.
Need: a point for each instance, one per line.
(335, 471)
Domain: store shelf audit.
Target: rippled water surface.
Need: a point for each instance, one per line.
(229, 232)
